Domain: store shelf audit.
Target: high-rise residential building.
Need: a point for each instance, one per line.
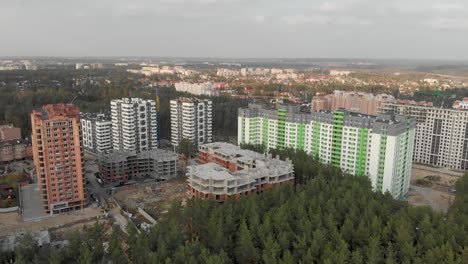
(227, 171)
(191, 118)
(364, 103)
(9, 132)
(320, 103)
(379, 147)
(134, 124)
(441, 135)
(58, 156)
(196, 88)
(97, 132)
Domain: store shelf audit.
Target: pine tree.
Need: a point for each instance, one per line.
(246, 251)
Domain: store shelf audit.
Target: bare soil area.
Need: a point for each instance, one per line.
(430, 187)
(155, 199)
(11, 223)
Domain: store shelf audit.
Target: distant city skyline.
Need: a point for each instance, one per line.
(411, 29)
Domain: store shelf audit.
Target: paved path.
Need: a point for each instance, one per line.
(31, 203)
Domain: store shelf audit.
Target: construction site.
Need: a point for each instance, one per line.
(154, 199)
(434, 187)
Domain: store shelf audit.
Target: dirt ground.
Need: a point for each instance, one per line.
(11, 223)
(426, 190)
(446, 180)
(155, 199)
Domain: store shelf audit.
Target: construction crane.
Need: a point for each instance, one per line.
(158, 108)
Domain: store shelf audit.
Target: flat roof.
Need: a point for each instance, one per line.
(233, 151)
(13, 142)
(217, 172)
(155, 154)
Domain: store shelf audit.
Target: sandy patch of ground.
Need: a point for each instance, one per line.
(155, 199)
(11, 223)
(431, 187)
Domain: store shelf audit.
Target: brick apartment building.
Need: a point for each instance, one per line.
(58, 156)
(17, 149)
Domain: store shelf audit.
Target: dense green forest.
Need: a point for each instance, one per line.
(16, 102)
(328, 218)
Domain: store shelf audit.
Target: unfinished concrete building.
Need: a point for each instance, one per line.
(122, 166)
(228, 171)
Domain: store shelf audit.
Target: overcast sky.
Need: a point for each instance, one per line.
(413, 29)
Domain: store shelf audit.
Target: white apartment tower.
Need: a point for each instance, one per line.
(191, 118)
(441, 135)
(134, 124)
(97, 132)
(379, 147)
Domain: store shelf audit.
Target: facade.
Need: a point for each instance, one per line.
(364, 103)
(360, 102)
(9, 132)
(379, 147)
(122, 166)
(58, 156)
(196, 88)
(441, 135)
(11, 150)
(320, 103)
(226, 170)
(191, 118)
(97, 132)
(134, 124)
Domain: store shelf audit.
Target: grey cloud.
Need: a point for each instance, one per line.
(235, 28)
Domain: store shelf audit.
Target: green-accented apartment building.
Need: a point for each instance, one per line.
(379, 147)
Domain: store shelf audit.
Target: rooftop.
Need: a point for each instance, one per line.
(55, 110)
(15, 142)
(189, 100)
(217, 172)
(233, 150)
(155, 154)
(95, 116)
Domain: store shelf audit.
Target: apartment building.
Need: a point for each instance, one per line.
(58, 156)
(17, 149)
(379, 147)
(122, 166)
(441, 135)
(134, 124)
(364, 103)
(320, 103)
(461, 104)
(9, 132)
(97, 132)
(191, 118)
(226, 171)
(197, 88)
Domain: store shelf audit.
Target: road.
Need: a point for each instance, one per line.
(98, 191)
